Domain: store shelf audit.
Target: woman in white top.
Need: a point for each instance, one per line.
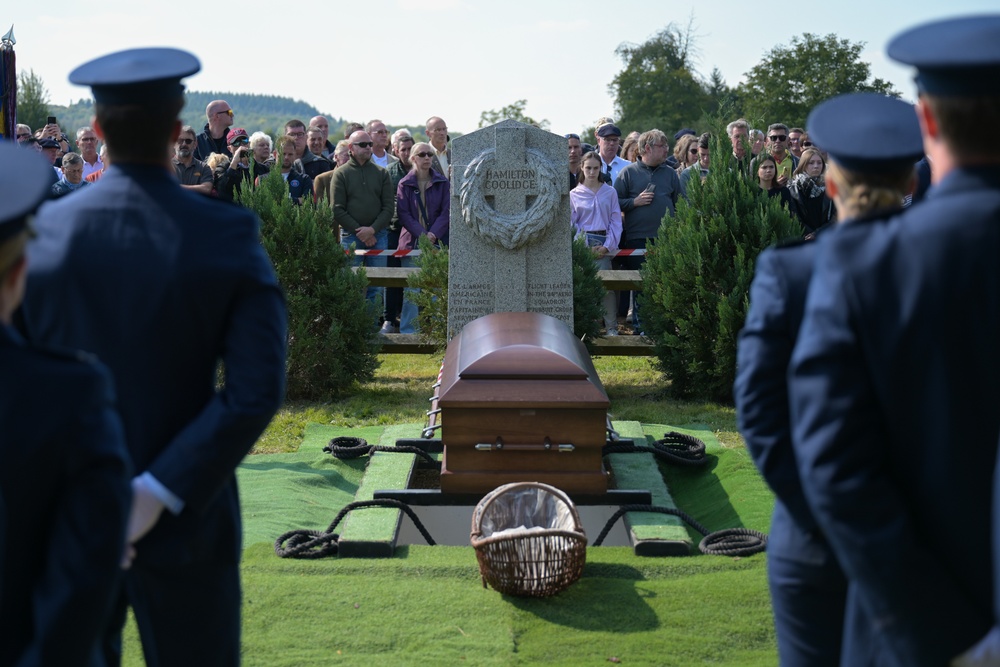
(597, 217)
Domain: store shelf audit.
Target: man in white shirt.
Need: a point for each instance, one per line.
(86, 143)
(609, 138)
(437, 134)
(377, 130)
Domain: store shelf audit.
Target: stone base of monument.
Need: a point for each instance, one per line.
(519, 401)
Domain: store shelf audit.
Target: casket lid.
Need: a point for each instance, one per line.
(521, 346)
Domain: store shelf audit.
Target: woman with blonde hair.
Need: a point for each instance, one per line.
(686, 152)
(873, 142)
(423, 202)
(807, 189)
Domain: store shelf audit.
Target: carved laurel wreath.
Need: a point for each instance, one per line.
(509, 230)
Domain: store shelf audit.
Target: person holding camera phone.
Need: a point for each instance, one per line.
(647, 191)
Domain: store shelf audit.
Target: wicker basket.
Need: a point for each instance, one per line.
(529, 540)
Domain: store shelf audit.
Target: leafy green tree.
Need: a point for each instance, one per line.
(790, 80)
(513, 111)
(697, 275)
(32, 100)
(332, 344)
(658, 86)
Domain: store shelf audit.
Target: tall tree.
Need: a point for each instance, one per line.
(32, 100)
(790, 80)
(658, 86)
(513, 111)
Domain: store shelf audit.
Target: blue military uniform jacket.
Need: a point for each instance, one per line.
(163, 285)
(894, 385)
(65, 477)
(777, 300)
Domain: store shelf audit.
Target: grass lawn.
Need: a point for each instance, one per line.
(427, 606)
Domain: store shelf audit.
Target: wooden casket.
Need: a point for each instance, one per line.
(520, 401)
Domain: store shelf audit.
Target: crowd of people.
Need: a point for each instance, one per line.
(867, 382)
(647, 176)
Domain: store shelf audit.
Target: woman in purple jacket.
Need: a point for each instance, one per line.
(423, 202)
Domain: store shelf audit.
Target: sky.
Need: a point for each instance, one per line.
(404, 60)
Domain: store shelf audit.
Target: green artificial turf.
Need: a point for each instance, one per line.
(638, 470)
(427, 606)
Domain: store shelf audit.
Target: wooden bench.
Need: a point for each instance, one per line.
(390, 276)
(622, 346)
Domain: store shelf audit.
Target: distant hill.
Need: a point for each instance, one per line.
(267, 113)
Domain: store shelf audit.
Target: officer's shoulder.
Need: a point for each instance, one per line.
(791, 243)
(48, 360)
(61, 355)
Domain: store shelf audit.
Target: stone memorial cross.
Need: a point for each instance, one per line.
(510, 232)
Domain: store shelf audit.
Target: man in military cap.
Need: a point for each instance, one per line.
(880, 137)
(64, 470)
(895, 378)
(164, 285)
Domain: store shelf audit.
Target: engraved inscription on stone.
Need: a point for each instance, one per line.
(510, 231)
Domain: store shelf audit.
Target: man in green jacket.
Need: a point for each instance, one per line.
(363, 204)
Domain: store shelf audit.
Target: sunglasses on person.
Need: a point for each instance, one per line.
(242, 141)
(362, 144)
(807, 144)
(423, 154)
(228, 112)
(778, 137)
(693, 151)
(185, 141)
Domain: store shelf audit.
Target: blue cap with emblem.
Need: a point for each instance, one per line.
(867, 132)
(25, 182)
(954, 57)
(137, 76)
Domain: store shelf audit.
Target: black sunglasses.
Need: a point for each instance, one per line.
(423, 154)
(362, 144)
(185, 141)
(807, 144)
(778, 137)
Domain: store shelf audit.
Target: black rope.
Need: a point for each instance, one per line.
(727, 542)
(675, 447)
(346, 447)
(319, 544)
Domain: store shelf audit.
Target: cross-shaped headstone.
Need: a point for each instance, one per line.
(510, 232)
(510, 196)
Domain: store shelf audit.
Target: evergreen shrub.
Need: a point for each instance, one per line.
(697, 274)
(432, 299)
(588, 294)
(332, 344)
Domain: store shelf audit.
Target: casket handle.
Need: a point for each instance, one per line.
(500, 445)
